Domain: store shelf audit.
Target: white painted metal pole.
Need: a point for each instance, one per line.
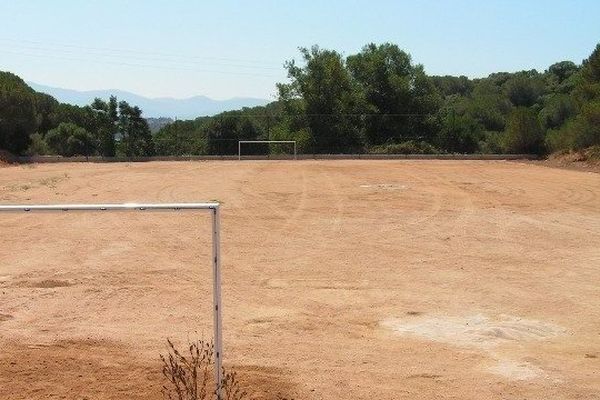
(109, 207)
(295, 153)
(239, 150)
(216, 251)
(217, 300)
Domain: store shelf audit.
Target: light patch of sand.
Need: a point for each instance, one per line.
(479, 331)
(473, 331)
(516, 371)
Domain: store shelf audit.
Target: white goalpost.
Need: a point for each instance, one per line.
(264, 141)
(212, 207)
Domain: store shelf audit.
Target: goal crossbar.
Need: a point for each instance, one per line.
(212, 207)
(240, 142)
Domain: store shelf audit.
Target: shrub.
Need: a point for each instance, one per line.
(38, 146)
(523, 132)
(408, 147)
(189, 376)
(69, 139)
(459, 134)
(593, 153)
(587, 126)
(581, 132)
(492, 143)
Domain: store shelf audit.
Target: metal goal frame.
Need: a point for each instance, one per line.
(240, 142)
(212, 207)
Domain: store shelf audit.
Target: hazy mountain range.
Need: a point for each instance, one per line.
(189, 108)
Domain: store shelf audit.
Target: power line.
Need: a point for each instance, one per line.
(139, 52)
(68, 58)
(143, 58)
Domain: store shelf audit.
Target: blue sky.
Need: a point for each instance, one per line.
(225, 48)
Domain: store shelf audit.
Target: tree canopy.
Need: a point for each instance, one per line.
(377, 100)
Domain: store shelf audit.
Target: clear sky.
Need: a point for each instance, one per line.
(222, 49)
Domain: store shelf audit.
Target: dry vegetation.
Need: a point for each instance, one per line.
(190, 375)
(583, 160)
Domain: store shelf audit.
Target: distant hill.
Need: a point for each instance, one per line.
(189, 108)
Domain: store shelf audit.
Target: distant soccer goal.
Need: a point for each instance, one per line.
(267, 142)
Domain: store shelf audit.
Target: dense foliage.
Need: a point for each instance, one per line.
(35, 123)
(375, 101)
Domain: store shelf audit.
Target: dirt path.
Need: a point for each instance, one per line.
(342, 279)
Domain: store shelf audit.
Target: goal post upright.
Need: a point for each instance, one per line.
(212, 207)
(240, 142)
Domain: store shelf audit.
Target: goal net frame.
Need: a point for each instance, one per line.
(212, 207)
(240, 142)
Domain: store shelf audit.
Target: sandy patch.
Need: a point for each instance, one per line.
(473, 331)
(482, 332)
(516, 371)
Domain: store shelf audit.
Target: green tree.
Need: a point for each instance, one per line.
(582, 130)
(81, 116)
(38, 145)
(453, 85)
(524, 89)
(136, 138)
(591, 66)
(325, 98)
(401, 98)
(562, 76)
(558, 108)
(459, 134)
(588, 88)
(106, 118)
(523, 132)
(489, 105)
(18, 117)
(181, 138)
(70, 140)
(225, 130)
(46, 108)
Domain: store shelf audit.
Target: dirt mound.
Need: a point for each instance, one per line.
(584, 160)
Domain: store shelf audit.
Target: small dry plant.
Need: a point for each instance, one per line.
(189, 374)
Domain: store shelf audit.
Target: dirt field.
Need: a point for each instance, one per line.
(341, 279)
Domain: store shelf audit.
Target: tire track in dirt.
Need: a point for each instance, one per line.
(288, 215)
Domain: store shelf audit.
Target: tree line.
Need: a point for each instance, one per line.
(36, 123)
(377, 100)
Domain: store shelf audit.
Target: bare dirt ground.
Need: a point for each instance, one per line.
(341, 279)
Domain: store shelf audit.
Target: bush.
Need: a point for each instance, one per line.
(70, 140)
(523, 133)
(560, 139)
(587, 126)
(189, 375)
(38, 146)
(302, 137)
(581, 132)
(459, 134)
(409, 147)
(593, 154)
(492, 143)
(558, 109)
